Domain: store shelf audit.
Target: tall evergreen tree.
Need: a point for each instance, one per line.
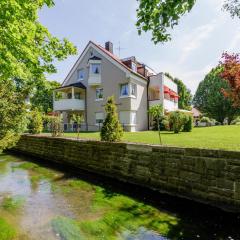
(111, 130)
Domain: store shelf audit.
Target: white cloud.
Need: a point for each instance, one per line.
(195, 39)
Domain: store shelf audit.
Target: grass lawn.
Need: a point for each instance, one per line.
(218, 137)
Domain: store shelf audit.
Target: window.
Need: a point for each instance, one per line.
(99, 93)
(80, 75)
(133, 88)
(77, 95)
(95, 68)
(134, 67)
(124, 90)
(99, 117)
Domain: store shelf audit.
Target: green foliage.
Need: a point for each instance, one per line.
(35, 125)
(188, 123)
(42, 98)
(7, 232)
(185, 96)
(12, 114)
(78, 119)
(157, 16)
(67, 228)
(236, 121)
(177, 120)
(55, 123)
(210, 100)
(27, 51)
(156, 111)
(160, 16)
(111, 130)
(12, 204)
(205, 120)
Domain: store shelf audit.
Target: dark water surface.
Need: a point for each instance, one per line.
(39, 202)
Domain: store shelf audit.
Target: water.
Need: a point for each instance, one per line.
(39, 202)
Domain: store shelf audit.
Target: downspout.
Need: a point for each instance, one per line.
(86, 118)
(147, 96)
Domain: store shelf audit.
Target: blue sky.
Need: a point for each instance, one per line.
(196, 46)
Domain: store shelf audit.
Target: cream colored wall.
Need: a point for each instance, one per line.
(112, 77)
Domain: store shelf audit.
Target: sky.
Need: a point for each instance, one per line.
(196, 46)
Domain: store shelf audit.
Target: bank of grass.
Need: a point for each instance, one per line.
(218, 137)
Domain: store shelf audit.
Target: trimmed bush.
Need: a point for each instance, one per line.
(176, 120)
(188, 123)
(35, 124)
(111, 130)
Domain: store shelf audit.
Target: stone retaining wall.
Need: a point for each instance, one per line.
(209, 176)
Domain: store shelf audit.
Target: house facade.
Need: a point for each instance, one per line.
(98, 74)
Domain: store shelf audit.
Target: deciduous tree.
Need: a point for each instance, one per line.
(158, 16)
(27, 52)
(231, 73)
(210, 100)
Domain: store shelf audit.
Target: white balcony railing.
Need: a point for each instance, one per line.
(69, 104)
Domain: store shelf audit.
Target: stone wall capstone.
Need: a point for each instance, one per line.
(209, 176)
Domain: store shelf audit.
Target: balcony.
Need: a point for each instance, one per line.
(69, 98)
(69, 105)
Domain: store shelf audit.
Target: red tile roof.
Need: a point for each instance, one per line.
(115, 58)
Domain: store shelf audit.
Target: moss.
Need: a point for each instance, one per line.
(12, 204)
(121, 213)
(7, 232)
(67, 228)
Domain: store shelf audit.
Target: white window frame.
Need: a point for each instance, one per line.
(99, 99)
(91, 68)
(78, 73)
(130, 88)
(134, 66)
(101, 118)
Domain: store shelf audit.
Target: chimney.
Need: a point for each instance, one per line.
(109, 46)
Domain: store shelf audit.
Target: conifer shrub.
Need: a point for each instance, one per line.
(112, 130)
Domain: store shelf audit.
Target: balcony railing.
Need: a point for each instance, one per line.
(69, 104)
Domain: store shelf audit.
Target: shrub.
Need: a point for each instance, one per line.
(176, 120)
(35, 124)
(205, 120)
(55, 124)
(111, 130)
(188, 123)
(236, 121)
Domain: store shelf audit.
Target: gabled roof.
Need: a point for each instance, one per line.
(115, 58)
(110, 56)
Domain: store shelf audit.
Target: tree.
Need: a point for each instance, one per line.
(35, 119)
(231, 73)
(12, 115)
(158, 16)
(156, 112)
(27, 52)
(78, 119)
(210, 100)
(42, 97)
(111, 130)
(185, 96)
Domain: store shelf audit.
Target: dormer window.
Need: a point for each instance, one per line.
(134, 66)
(95, 68)
(80, 75)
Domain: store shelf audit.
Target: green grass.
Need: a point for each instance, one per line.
(7, 232)
(218, 137)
